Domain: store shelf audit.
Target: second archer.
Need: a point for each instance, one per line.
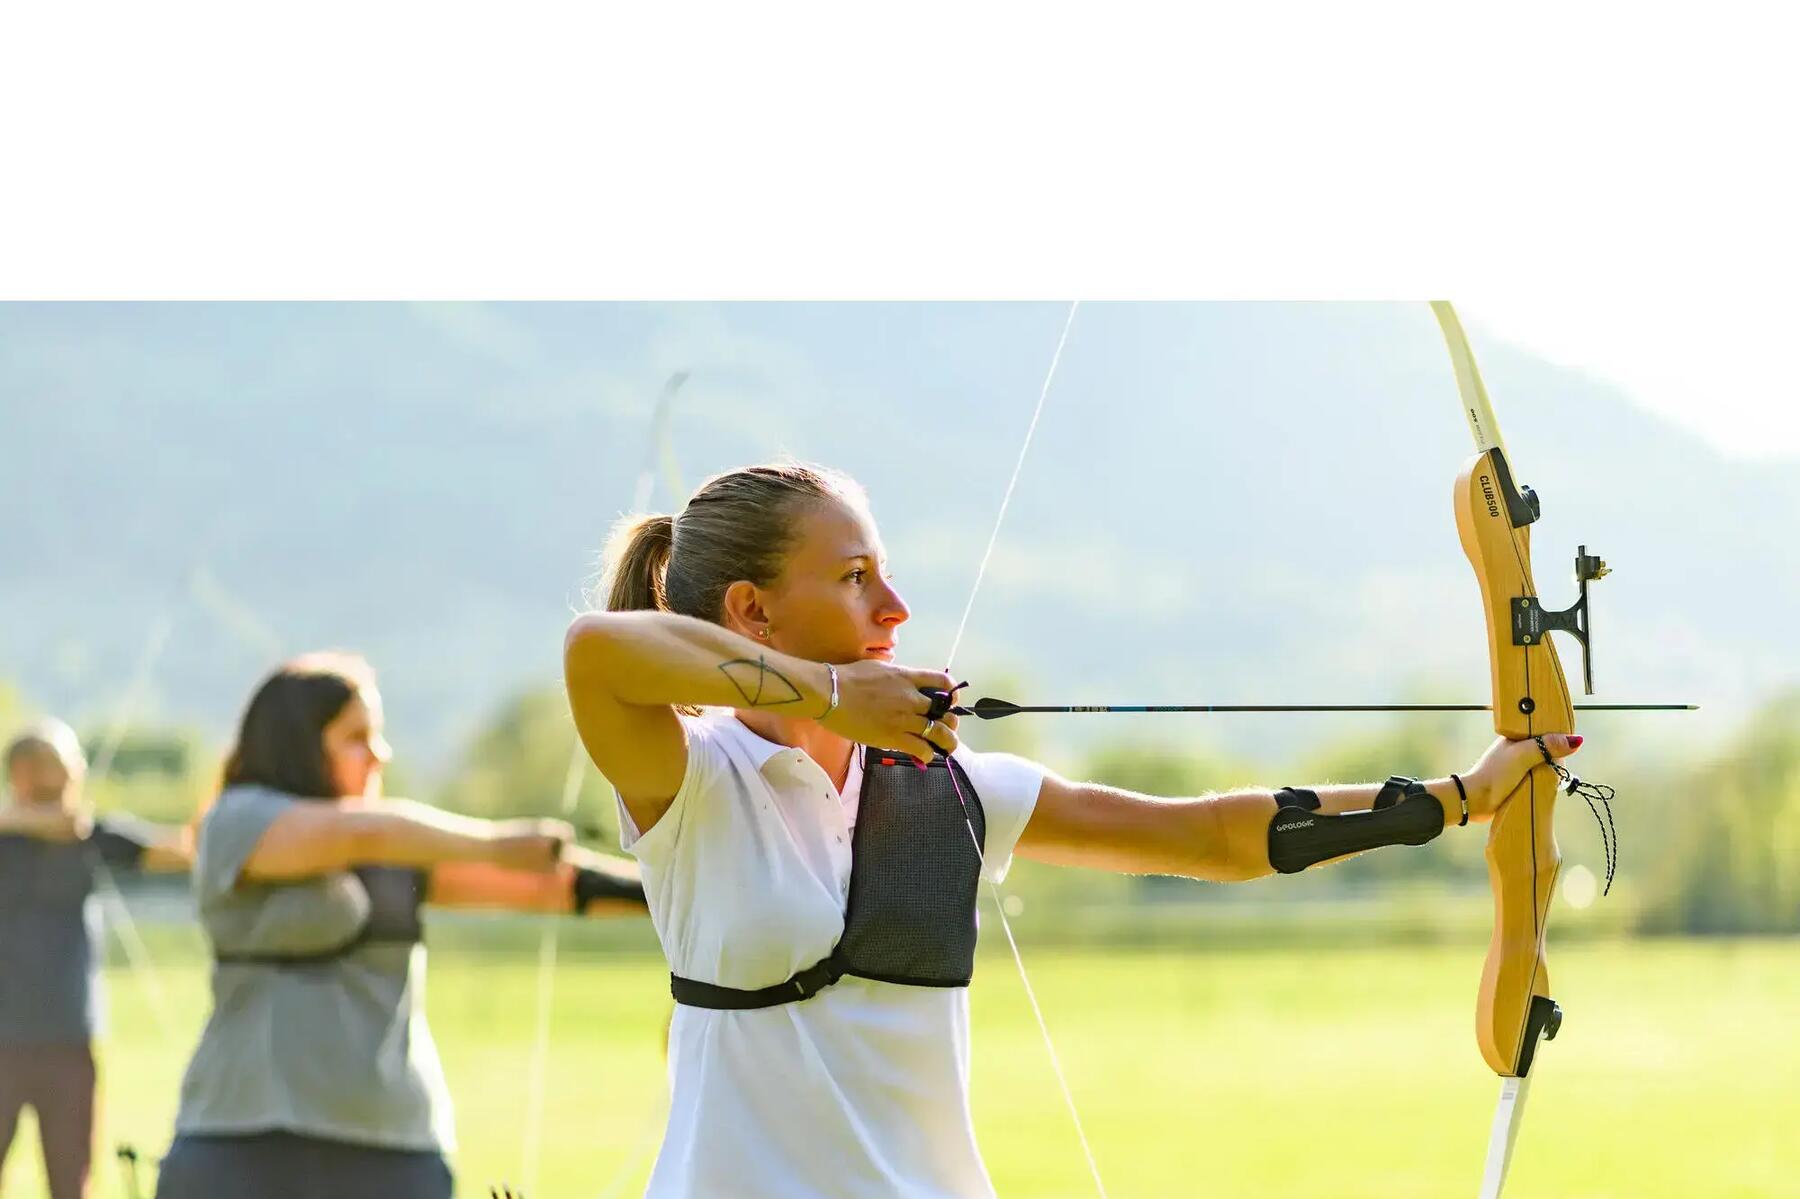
(316, 1076)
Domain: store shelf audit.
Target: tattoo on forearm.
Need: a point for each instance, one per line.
(761, 685)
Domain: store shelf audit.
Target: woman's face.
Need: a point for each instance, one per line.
(355, 750)
(834, 601)
(40, 777)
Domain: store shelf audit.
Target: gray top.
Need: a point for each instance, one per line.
(50, 933)
(318, 1022)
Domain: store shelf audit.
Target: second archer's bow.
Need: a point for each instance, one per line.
(659, 456)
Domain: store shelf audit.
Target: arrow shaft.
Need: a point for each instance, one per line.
(1067, 709)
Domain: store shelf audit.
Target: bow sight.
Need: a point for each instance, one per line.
(1530, 620)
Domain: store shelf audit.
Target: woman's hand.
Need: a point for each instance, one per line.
(530, 844)
(884, 705)
(1504, 766)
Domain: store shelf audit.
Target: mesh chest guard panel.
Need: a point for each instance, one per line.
(914, 878)
(396, 893)
(914, 875)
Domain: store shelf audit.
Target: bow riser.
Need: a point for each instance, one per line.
(1530, 698)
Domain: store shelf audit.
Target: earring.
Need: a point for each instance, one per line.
(763, 633)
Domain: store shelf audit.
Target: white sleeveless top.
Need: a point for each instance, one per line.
(860, 1091)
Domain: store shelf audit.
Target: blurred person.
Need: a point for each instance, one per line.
(53, 855)
(316, 1076)
(808, 833)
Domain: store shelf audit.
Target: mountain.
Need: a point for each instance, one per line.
(1223, 502)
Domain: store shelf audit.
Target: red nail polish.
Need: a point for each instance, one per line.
(1575, 740)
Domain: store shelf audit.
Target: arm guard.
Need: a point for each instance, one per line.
(1300, 835)
(592, 885)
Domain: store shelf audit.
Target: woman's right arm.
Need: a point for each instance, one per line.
(310, 839)
(626, 672)
(44, 822)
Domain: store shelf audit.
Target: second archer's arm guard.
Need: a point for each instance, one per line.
(589, 885)
(1300, 835)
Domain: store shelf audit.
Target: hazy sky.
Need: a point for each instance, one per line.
(1718, 369)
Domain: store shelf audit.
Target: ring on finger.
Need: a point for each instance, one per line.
(929, 725)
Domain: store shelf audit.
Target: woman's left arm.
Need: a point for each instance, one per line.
(44, 822)
(169, 850)
(1221, 838)
(585, 883)
(1225, 837)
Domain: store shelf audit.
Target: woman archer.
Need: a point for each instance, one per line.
(316, 1076)
(813, 886)
(54, 859)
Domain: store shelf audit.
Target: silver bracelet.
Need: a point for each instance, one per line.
(833, 705)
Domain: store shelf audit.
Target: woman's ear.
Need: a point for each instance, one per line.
(744, 611)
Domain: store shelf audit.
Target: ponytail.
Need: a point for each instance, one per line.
(637, 563)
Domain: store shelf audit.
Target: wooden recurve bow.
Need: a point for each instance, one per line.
(1531, 698)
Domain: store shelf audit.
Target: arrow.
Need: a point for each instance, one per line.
(994, 709)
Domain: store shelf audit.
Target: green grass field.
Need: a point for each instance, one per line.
(1280, 1072)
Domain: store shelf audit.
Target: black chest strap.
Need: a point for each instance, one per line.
(804, 985)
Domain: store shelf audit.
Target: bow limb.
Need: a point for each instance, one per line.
(660, 447)
(537, 1071)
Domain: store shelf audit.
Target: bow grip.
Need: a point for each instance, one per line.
(1515, 1008)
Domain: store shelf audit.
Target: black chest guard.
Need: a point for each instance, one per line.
(914, 879)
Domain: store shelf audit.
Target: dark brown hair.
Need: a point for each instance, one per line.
(738, 525)
(281, 740)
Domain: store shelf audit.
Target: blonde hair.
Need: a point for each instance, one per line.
(738, 525)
